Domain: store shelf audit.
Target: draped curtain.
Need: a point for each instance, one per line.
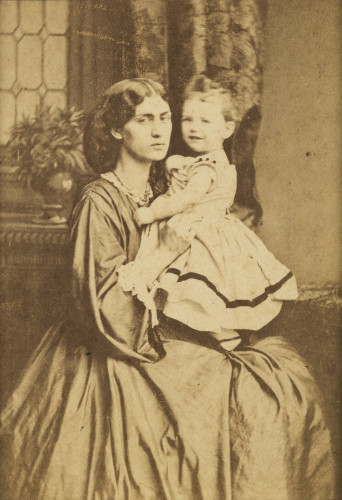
(170, 41)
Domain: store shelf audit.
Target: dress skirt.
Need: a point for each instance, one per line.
(197, 425)
(227, 280)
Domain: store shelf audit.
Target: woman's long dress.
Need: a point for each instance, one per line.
(98, 417)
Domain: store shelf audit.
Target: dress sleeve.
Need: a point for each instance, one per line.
(205, 164)
(102, 309)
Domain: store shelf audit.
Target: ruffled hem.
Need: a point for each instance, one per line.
(227, 279)
(196, 302)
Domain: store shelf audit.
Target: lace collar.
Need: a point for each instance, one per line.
(141, 198)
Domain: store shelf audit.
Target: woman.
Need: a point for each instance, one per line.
(102, 413)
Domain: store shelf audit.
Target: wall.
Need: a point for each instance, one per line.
(298, 157)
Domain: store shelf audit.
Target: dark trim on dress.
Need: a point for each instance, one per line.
(231, 304)
(228, 340)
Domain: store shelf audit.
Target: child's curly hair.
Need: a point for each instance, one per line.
(201, 84)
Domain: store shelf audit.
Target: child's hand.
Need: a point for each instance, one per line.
(143, 215)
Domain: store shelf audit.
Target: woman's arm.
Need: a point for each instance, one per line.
(167, 206)
(108, 317)
(102, 309)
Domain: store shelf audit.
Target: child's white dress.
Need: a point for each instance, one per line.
(227, 279)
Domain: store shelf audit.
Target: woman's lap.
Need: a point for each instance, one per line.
(279, 444)
(197, 424)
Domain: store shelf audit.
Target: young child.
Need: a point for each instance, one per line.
(227, 280)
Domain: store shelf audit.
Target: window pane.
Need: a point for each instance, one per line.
(7, 61)
(55, 66)
(57, 16)
(31, 16)
(27, 101)
(55, 98)
(8, 16)
(30, 62)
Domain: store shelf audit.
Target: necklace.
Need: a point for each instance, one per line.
(141, 198)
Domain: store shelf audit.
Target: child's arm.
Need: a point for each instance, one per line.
(167, 206)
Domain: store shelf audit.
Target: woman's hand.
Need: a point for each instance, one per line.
(143, 215)
(174, 237)
(173, 240)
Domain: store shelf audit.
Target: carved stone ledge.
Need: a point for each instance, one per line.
(41, 236)
(25, 244)
(29, 261)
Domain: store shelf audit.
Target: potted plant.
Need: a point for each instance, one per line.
(48, 149)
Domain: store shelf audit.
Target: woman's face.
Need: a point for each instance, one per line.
(146, 136)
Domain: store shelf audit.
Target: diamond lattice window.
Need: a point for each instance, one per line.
(33, 58)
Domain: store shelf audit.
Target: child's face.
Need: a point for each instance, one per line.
(203, 125)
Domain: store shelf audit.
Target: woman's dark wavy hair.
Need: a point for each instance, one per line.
(117, 106)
